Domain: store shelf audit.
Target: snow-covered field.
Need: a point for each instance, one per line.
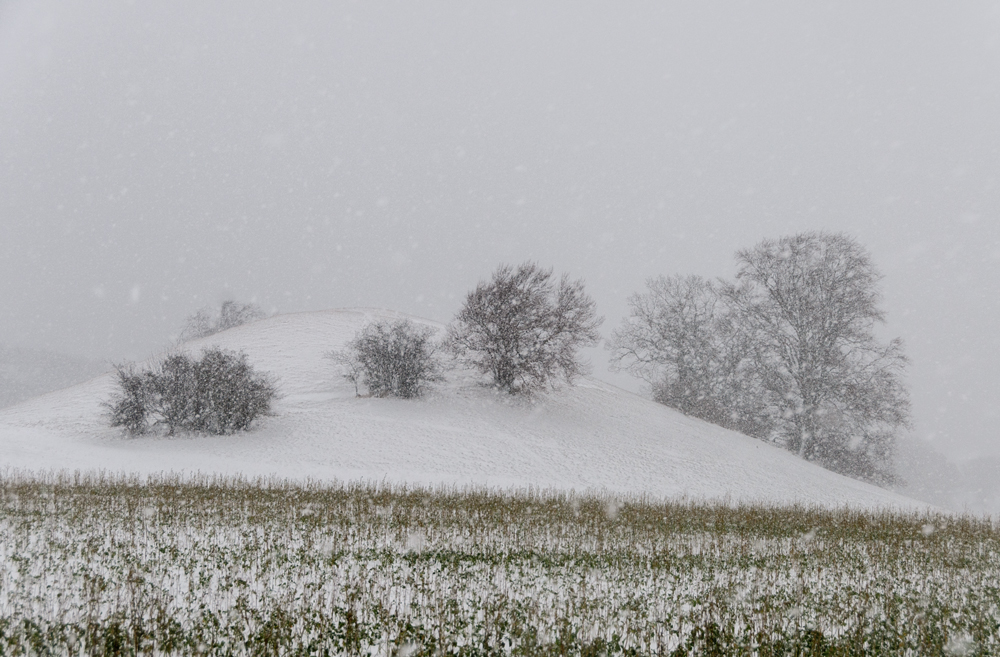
(587, 437)
(120, 566)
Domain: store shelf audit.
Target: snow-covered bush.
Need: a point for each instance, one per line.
(523, 330)
(391, 359)
(130, 405)
(207, 321)
(220, 393)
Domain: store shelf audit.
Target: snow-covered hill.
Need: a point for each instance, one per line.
(592, 436)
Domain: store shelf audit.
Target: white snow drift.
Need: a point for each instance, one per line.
(587, 437)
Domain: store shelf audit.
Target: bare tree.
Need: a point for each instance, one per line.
(834, 391)
(350, 366)
(173, 393)
(680, 338)
(396, 359)
(200, 324)
(523, 330)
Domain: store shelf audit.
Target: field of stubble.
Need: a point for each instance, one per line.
(112, 565)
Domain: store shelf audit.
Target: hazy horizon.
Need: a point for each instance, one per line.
(156, 157)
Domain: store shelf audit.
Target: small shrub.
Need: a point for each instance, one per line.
(220, 394)
(391, 359)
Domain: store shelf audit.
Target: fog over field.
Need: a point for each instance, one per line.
(159, 156)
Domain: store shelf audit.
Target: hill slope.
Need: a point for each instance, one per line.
(592, 436)
(25, 373)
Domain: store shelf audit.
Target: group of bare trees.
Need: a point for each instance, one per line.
(521, 329)
(219, 392)
(787, 352)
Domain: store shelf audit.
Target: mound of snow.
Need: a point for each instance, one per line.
(588, 437)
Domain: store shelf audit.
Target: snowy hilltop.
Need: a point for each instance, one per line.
(590, 436)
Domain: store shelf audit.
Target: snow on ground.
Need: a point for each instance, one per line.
(588, 437)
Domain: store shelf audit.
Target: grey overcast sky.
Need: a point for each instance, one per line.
(160, 155)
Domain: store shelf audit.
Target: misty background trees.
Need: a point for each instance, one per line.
(208, 321)
(682, 339)
(523, 329)
(787, 352)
